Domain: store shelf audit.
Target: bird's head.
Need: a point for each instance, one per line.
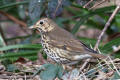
(43, 25)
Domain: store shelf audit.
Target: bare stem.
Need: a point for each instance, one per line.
(59, 4)
(87, 4)
(13, 19)
(3, 37)
(97, 4)
(106, 26)
(102, 33)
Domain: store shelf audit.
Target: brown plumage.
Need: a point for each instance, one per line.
(61, 45)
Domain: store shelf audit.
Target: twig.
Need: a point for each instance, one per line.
(106, 26)
(87, 4)
(97, 4)
(114, 66)
(84, 65)
(23, 24)
(13, 19)
(84, 77)
(96, 68)
(7, 77)
(102, 33)
(3, 37)
(108, 63)
(59, 4)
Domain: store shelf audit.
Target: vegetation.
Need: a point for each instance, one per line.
(20, 52)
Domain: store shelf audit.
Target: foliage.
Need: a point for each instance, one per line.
(51, 71)
(29, 11)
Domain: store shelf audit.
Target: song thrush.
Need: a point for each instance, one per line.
(62, 46)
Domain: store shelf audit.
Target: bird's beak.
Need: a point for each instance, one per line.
(32, 27)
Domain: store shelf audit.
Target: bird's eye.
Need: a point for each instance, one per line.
(41, 22)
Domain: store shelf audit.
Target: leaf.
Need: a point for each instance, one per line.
(74, 73)
(9, 66)
(31, 46)
(117, 21)
(12, 68)
(116, 76)
(89, 14)
(6, 62)
(107, 48)
(13, 4)
(80, 22)
(18, 54)
(60, 71)
(94, 24)
(50, 72)
(88, 41)
(4, 2)
(31, 55)
(33, 58)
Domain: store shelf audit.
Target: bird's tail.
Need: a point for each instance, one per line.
(100, 56)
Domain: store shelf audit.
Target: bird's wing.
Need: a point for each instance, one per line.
(77, 51)
(74, 46)
(65, 40)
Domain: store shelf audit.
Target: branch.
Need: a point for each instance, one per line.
(13, 19)
(87, 3)
(3, 37)
(59, 4)
(106, 26)
(97, 4)
(102, 33)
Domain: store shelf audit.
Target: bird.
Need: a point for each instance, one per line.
(62, 46)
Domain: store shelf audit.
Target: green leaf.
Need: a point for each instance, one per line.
(13, 59)
(50, 71)
(6, 62)
(116, 76)
(12, 68)
(60, 71)
(94, 24)
(86, 16)
(117, 21)
(17, 37)
(33, 58)
(79, 23)
(9, 66)
(88, 41)
(107, 48)
(78, 6)
(72, 11)
(31, 46)
(13, 4)
(31, 55)
(18, 54)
